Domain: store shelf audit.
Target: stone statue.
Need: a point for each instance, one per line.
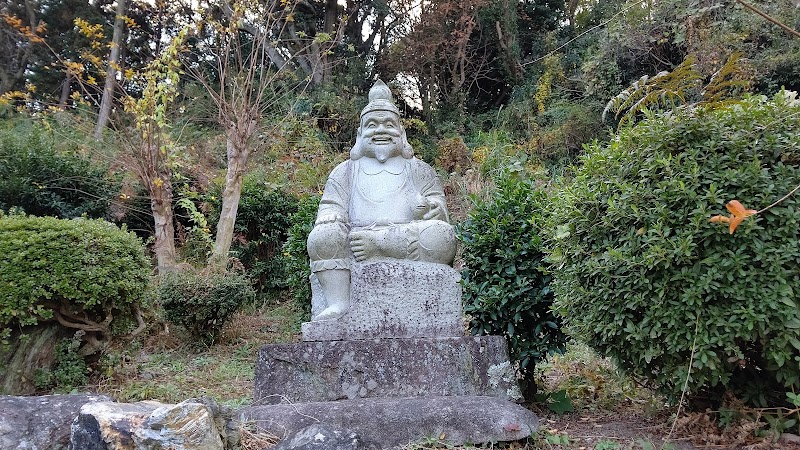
(381, 204)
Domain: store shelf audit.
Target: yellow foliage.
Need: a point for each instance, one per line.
(74, 68)
(130, 23)
(91, 31)
(7, 97)
(544, 87)
(480, 154)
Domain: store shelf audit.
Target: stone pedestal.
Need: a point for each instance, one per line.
(394, 368)
(395, 299)
(336, 370)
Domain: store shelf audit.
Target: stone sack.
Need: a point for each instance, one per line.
(396, 299)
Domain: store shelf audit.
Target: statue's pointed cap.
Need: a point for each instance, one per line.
(380, 99)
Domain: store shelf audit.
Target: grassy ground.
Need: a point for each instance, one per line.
(584, 402)
(169, 367)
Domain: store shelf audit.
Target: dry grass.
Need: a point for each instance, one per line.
(168, 366)
(253, 439)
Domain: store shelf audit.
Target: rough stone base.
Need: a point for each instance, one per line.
(335, 370)
(394, 299)
(398, 421)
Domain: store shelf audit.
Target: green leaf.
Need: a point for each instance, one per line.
(560, 402)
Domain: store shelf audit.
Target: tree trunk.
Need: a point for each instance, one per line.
(237, 162)
(111, 72)
(161, 205)
(62, 101)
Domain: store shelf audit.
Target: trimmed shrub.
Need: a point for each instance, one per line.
(296, 262)
(87, 272)
(643, 276)
(506, 291)
(45, 180)
(203, 301)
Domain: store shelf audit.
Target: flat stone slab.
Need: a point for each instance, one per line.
(335, 370)
(397, 421)
(395, 299)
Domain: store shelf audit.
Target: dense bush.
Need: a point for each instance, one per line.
(643, 276)
(203, 301)
(86, 272)
(262, 224)
(505, 289)
(296, 262)
(45, 179)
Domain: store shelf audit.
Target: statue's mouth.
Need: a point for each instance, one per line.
(382, 140)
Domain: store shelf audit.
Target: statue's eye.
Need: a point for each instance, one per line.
(389, 125)
(371, 125)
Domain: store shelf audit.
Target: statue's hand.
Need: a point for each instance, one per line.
(435, 212)
(421, 208)
(362, 245)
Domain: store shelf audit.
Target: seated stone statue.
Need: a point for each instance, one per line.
(382, 203)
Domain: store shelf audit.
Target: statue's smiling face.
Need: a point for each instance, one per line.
(381, 135)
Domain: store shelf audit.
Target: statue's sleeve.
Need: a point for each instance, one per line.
(336, 196)
(429, 185)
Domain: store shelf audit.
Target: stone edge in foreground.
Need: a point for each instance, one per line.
(398, 421)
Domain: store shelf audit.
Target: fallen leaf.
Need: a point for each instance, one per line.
(738, 214)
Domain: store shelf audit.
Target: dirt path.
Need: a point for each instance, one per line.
(634, 430)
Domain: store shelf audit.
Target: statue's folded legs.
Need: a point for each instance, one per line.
(332, 248)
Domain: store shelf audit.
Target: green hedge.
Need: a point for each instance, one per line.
(643, 276)
(506, 290)
(89, 269)
(202, 302)
(295, 255)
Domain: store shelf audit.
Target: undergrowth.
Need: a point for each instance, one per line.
(168, 366)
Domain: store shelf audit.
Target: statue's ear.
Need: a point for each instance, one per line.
(408, 150)
(356, 152)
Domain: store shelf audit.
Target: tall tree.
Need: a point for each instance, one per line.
(246, 81)
(20, 31)
(111, 71)
(151, 150)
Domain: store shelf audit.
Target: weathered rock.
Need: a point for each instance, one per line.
(396, 299)
(19, 361)
(334, 370)
(39, 423)
(145, 426)
(397, 421)
(321, 436)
